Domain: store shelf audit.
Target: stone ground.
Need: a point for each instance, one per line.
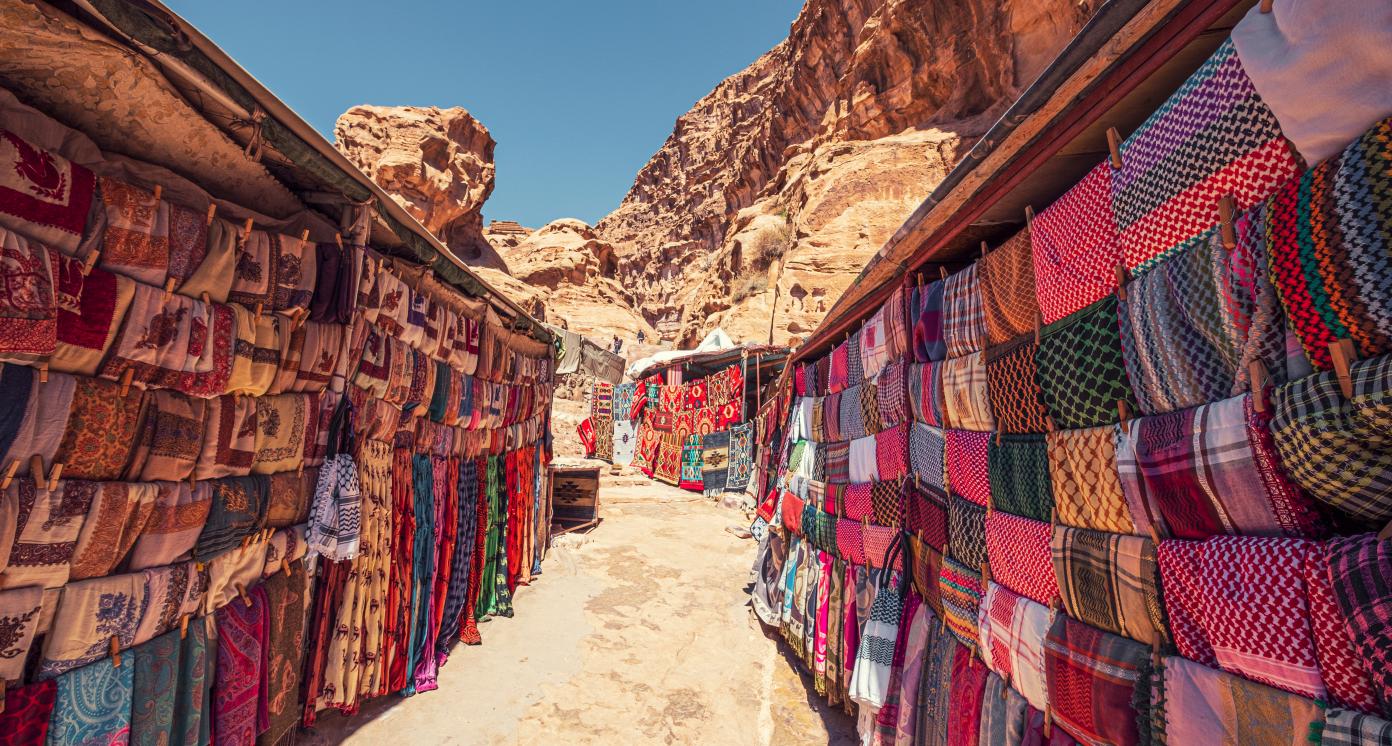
(637, 632)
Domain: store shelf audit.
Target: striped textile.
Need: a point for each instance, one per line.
(1075, 246)
(1340, 450)
(1081, 371)
(1203, 706)
(960, 589)
(925, 319)
(1329, 239)
(926, 393)
(1341, 666)
(1012, 387)
(964, 318)
(1006, 281)
(1094, 675)
(1110, 581)
(1351, 728)
(1360, 568)
(966, 401)
(1213, 137)
(892, 393)
(1192, 325)
(1012, 630)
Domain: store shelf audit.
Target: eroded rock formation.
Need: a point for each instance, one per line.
(777, 187)
(437, 163)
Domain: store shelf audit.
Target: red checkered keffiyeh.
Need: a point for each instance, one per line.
(1019, 551)
(1076, 247)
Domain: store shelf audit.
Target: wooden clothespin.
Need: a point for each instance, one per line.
(1029, 217)
(1048, 721)
(985, 573)
(1038, 326)
(1227, 213)
(36, 471)
(1156, 654)
(212, 211)
(9, 474)
(43, 372)
(920, 278)
(90, 261)
(998, 438)
(207, 299)
(260, 308)
(1124, 416)
(285, 566)
(242, 591)
(246, 540)
(126, 379)
(183, 625)
(159, 192)
(304, 236)
(168, 289)
(338, 238)
(115, 648)
(942, 272)
(984, 248)
(192, 478)
(246, 229)
(1343, 354)
(2, 696)
(1386, 532)
(1005, 688)
(1155, 536)
(1114, 146)
(1266, 5)
(1122, 277)
(1257, 378)
(54, 475)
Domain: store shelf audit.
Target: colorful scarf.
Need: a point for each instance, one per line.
(1192, 325)
(118, 514)
(1339, 450)
(669, 459)
(892, 394)
(1007, 290)
(44, 195)
(1012, 387)
(966, 399)
(256, 354)
(968, 472)
(1341, 666)
(875, 350)
(691, 464)
(715, 462)
(1083, 473)
(914, 634)
(927, 446)
(28, 710)
(966, 531)
(741, 457)
(965, 698)
(926, 393)
(1099, 672)
(896, 325)
(335, 514)
(1020, 556)
(28, 304)
(870, 677)
(1002, 713)
(1212, 138)
(170, 441)
(1210, 470)
(284, 423)
(90, 309)
(237, 510)
(136, 240)
(275, 270)
(1013, 629)
(1360, 568)
(47, 527)
(162, 340)
(1202, 705)
(1019, 475)
(336, 282)
(931, 707)
(1081, 372)
(855, 369)
(964, 318)
(1110, 581)
(20, 610)
(1350, 728)
(229, 439)
(239, 701)
(285, 637)
(1076, 247)
(925, 317)
(960, 588)
(175, 522)
(92, 706)
(102, 429)
(154, 690)
(1239, 603)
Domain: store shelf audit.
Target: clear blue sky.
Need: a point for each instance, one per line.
(578, 95)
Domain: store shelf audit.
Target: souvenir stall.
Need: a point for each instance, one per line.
(688, 418)
(267, 447)
(1097, 452)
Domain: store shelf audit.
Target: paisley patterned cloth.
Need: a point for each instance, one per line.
(1212, 138)
(47, 526)
(117, 517)
(93, 705)
(1081, 371)
(1076, 247)
(1239, 603)
(1012, 387)
(239, 701)
(102, 430)
(1192, 325)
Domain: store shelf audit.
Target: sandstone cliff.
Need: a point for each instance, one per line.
(773, 191)
(437, 163)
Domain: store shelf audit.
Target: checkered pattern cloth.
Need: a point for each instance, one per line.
(1020, 557)
(892, 393)
(1083, 473)
(1080, 367)
(1007, 289)
(851, 420)
(966, 400)
(1350, 728)
(964, 318)
(1075, 246)
(855, 366)
(1360, 569)
(968, 473)
(1012, 387)
(1019, 474)
(1213, 137)
(1012, 630)
(966, 532)
(1093, 676)
(927, 446)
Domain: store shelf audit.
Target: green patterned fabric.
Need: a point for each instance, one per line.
(1019, 468)
(1081, 371)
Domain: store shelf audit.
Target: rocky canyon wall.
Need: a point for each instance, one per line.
(773, 191)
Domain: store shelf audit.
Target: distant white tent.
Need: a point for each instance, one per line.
(716, 341)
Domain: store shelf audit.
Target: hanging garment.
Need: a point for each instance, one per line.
(237, 510)
(1019, 476)
(1076, 247)
(28, 711)
(914, 633)
(741, 458)
(1012, 387)
(1099, 672)
(874, 655)
(931, 708)
(965, 698)
(968, 473)
(1081, 371)
(1210, 470)
(960, 588)
(1239, 603)
(43, 195)
(47, 526)
(91, 613)
(1344, 670)
(102, 430)
(927, 448)
(1083, 474)
(966, 530)
(926, 394)
(875, 350)
(92, 706)
(965, 392)
(91, 307)
(964, 317)
(20, 613)
(1020, 557)
(1006, 285)
(239, 704)
(1202, 705)
(1013, 630)
(891, 396)
(1359, 569)
(177, 517)
(33, 417)
(1111, 582)
(170, 440)
(1002, 713)
(118, 514)
(926, 321)
(715, 463)
(229, 438)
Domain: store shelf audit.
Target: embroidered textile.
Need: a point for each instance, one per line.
(1239, 603)
(1013, 629)
(1020, 556)
(1212, 138)
(1076, 247)
(1210, 470)
(741, 457)
(926, 319)
(1093, 677)
(285, 633)
(28, 302)
(875, 349)
(1080, 369)
(691, 478)
(101, 431)
(170, 440)
(1012, 387)
(1083, 474)
(1110, 582)
(1192, 325)
(256, 355)
(1019, 475)
(47, 526)
(91, 613)
(1007, 290)
(964, 317)
(92, 706)
(715, 462)
(176, 520)
(966, 400)
(931, 710)
(237, 509)
(44, 195)
(20, 612)
(91, 307)
(118, 514)
(239, 704)
(229, 438)
(276, 271)
(283, 423)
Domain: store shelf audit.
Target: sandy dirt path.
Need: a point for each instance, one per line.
(637, 632)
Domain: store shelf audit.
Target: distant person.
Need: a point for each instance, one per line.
(640, 336)
(616, 345)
